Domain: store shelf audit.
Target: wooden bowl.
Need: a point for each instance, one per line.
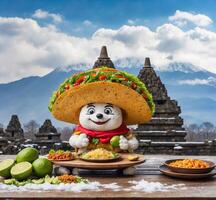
(190, 170)
(166, 171)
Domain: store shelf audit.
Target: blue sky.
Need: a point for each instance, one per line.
(43, 35)
(107, 13)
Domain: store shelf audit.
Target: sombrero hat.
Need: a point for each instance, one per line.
(102, 85)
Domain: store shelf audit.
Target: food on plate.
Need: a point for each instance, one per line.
(189, 163)
(101, 154)
(5, 167)
(60, 155)
(28, 154)
(42, 167)
(21, 171)
(133, 157)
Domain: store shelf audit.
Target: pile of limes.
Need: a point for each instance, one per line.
(27, 163)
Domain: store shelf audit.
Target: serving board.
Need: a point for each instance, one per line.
(123, 162)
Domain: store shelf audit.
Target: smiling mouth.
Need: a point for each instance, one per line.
(99, 123)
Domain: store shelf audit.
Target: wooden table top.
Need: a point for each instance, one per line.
(148, 171)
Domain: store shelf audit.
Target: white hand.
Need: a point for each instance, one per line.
(123, 143)
(133, 143)
(72, 140)
(79, 141)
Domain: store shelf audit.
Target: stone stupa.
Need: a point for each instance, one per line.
(166, 125)
(103, 59)
(14, 130)
(47, 133)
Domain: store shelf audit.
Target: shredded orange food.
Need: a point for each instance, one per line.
(67, 178)
(66, 155)
(189, 163)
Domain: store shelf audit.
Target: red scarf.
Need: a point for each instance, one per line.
(103, 136)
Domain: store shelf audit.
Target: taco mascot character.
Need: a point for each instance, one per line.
(102, 102)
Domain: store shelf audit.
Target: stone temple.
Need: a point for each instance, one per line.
(166, 124)
(14, 130)
(47, 133)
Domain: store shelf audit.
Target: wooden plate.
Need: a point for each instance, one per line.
(165, 170)
(101, 160)
(61, 159)
(190, 170)
(119, 164)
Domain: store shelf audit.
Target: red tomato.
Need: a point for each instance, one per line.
(120, 76)
(75, 84)
(67, 87)
(134, 86)
(80, 80)
(102, 77)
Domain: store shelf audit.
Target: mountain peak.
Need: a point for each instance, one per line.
(138, 63)
(180, 66)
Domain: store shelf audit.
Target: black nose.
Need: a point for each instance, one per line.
(99, 116)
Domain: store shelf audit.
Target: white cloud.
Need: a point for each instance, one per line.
(42, 14)
(208, 81)
(132, 21)
(87, 23)
(181, 18)
(27, 48)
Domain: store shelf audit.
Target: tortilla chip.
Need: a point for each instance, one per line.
(67, 106)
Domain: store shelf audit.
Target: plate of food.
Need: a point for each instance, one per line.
(100, 155)
(60, 155)
(168, 172)
(190, 166)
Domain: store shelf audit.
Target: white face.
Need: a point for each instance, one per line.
(100, 116)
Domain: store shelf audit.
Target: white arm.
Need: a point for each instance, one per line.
(123, 143)
(133, 143)
(79, 141)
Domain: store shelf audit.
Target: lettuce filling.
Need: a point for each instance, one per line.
(107, 75)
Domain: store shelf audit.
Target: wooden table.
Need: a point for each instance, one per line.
(197, 189)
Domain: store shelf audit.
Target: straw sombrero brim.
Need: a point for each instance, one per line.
(67, 106)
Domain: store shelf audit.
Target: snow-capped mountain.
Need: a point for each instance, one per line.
(129, 63)
(180, 67)
(193, 88)
(136, 64)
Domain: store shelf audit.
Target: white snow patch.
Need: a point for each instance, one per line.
(112, 186)
(150, 187)
(73, 187)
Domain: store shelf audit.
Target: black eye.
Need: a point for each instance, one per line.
(108, 111)
(90, 111)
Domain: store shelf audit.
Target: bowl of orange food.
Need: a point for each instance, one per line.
(190, 166)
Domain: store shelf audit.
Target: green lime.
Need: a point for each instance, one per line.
(21, 171)
(38, 181)
(9, 181)
(42, 167)
(5, 167)
(28, 154)
(115, 141)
